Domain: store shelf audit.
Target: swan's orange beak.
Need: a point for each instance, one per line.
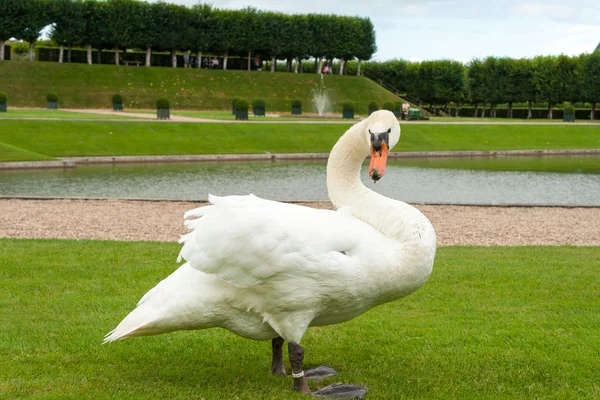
(379, 152)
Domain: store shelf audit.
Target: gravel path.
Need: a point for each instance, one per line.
(162, 221)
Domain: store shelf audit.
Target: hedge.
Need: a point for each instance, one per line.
(163, 104)
(521, 113)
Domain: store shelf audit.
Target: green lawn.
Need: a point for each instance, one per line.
(572, 164)
(59, 114)
(227, 116)
(84, 138)
(492, 323)
(92, 86)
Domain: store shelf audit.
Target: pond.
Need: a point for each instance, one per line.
(494, 180)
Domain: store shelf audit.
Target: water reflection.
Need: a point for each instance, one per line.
(284, 180)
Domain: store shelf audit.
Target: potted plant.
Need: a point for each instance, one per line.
(52, 99)
(569, 113)
(373, 106)
(296, 107)
(117, 102)
(348, 110)
(233, 101)
(241, 110)
(388, 105)
(397, 109)
(258, 107)
(3, 100)
(163, 108)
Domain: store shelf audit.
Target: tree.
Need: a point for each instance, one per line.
(521, 87)
(95, 33)
(367, 45)
(320, 37)
(201, 20)
(69, 25)
(123, 24)
(556, 79)
(495, 80)
(227, 31)
(146, 35)
(274, 35)
(424, 84)
(8, 24)
(175, 32)
(30, 16)
(477, 85)
(590, 74)
(448, 81)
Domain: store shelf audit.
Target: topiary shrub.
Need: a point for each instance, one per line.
(117, 102)
(163, 108)
(348, 110)
(3, 100)
(52, 100)
(258, 107)
(373, 106)
(388, 105)
(241, 110)
(233, 101)
(296, 107)
(569, 113)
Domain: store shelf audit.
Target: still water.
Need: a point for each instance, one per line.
(414, 181)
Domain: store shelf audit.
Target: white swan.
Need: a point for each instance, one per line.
(267, 270)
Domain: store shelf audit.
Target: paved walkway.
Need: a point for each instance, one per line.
(163, 221)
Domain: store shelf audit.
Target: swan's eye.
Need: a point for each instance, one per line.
(389, 130)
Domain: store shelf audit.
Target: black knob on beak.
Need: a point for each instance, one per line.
(375, 175)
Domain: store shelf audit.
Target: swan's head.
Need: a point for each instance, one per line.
(382, 133)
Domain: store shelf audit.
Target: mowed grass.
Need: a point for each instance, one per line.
(92, 86)
(492, 322)
(228, 116)
(57, 114)
(567, 163)
(99, 138)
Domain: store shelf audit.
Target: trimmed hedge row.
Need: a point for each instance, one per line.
(521, 113)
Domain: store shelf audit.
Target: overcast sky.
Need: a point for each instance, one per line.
(458, 29)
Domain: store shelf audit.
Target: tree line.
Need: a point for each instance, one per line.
(128, 24)
(492, 81)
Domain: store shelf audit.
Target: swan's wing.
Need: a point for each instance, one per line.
(248, 241)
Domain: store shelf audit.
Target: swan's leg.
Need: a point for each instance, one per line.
(296, 359)
(337, 390)
(277, 367)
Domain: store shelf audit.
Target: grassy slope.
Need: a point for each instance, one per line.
(84, 86)
(502, 323)
(82, 138)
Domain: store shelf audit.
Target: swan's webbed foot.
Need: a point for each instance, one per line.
(341, 391)
(337, 390)
(319, 373)
(277, 366)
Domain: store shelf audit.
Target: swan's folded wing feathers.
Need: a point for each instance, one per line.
(263, 239)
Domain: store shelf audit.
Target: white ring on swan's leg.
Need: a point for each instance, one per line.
(298, 375)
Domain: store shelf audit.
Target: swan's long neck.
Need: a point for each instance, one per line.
(393, 218)
(400, 222)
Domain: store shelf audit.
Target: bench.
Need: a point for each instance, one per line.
(136, 63)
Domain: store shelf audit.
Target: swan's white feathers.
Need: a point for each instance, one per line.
(264, 269)
(265, 240)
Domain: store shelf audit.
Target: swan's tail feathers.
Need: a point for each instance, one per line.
(135, 324)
